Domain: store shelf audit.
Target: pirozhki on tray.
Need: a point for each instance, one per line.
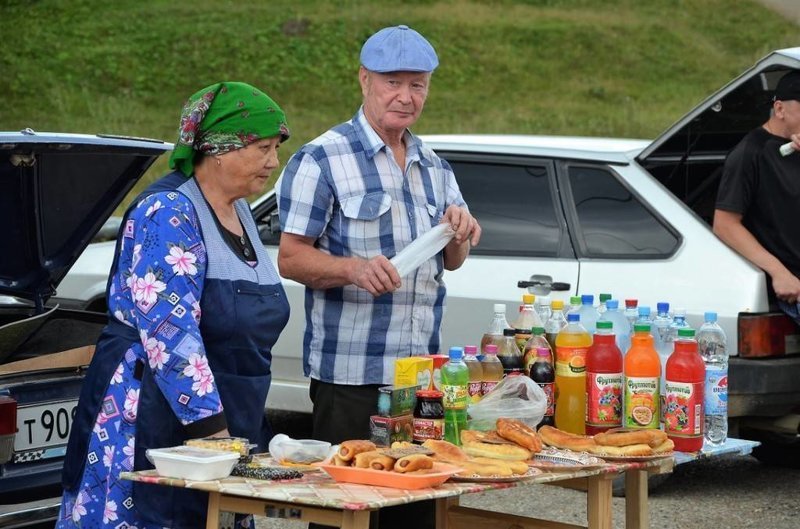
(621, 443)
(364, 454)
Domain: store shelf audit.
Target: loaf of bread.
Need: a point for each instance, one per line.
(508, 452)
(570, 441)
(650, 436)
(520, 433)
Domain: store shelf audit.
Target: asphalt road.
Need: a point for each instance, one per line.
(730, 493)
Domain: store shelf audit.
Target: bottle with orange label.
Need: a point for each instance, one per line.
(642, 401)
(572, 343)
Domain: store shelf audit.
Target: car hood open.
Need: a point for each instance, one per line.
(56, 191)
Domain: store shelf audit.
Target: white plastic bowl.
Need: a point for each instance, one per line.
(284, 448)
(191, 462)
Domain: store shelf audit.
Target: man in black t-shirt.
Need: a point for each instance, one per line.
(759, 197)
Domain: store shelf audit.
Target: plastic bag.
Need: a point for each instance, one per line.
(515, 397)
(422, 248)
(284, 448)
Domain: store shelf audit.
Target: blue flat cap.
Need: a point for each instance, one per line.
(398, 49)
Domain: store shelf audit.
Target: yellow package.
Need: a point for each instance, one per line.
(414, 371)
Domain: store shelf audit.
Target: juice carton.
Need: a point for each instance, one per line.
(394, 401)
(414, 371)
(438, 362)
(383, 431)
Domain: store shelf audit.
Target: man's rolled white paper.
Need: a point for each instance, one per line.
(787, 149)
(422, 248)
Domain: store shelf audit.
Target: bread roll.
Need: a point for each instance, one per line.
(482, 469)
(520, 433)
(640, 449)
(349, 449)
(666, 446)
(412, 463)
(445, 451)
(651, 437)
(382, 462)
(504, 452)
(363, 459)
(570, 441)
(516, 467)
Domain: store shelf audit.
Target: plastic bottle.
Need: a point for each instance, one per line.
(542, 308)
(603, 381)
(641, 405)
(712, 344)
(495, 332)
(631, 312)
(622, 328)
(455, 381)
(589, 314)
(526, 320)
(556, 322)
(572, 344)
(492, 369)
(601, 308)
(509, 354)
(530, 352)
(542, 373)
(683, 412)
(660, 330)
(475, 373)
(574, 304)
(644, 316)
(678, 322)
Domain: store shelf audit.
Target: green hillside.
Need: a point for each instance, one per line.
(600, 68)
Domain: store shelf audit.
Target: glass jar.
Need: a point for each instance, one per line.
(428, 416)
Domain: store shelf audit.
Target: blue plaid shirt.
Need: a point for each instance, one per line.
(346, 190)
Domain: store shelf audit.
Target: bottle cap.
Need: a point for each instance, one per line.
(604, 325)
(470, 350)
(686, 333)
(604, 297)
(500, 307)
(456, 353)
(573, 317)
(509, 332)
(587, 299)
(612, 304)
(641, 327)
(710, 316)
(631, 303)
(490, 349)
(537, 330)
(644, 310)
(543, 351)
(662, 306)
(575, 300)
(528, 299)
(557, 304)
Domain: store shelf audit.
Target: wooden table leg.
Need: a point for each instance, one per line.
(442, 508)
(637, 510)
(212, 519)
(598, 502)
(355, 519)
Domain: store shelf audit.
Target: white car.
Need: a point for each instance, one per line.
(628, 217)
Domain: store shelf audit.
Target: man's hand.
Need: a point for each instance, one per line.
(787, 287)
(377, 275)
(796, 141)
(464, 224)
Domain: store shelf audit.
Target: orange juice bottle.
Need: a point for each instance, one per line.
(642, 401)
(572, 343)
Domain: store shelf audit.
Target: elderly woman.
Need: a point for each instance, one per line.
(195, 306)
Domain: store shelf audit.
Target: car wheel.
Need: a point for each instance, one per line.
(775, 449)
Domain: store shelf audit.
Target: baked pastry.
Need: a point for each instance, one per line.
(473, 447)
(570, 441)
(349, 449)
(640, 449)
(412, 463)
(663, 448)
(364, 459)
(339, 462)
(445, 451)
(520, 433)
(651, 437)
(382, 462)
(472, 468)
(516, 467)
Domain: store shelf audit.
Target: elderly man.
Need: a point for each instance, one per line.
(350, 200)
(759, 195)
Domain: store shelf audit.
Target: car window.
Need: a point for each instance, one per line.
(515, 206)
(613, 221)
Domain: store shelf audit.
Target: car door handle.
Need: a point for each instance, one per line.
(552, 286)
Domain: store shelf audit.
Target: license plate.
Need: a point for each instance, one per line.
(44, 426)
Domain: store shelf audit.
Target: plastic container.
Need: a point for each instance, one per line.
(712, 344)
(683, 404)
(284, 448)
(603, 381)
(527, 319)
(589, 314)
(642, 404)
(621, 325)
(555, 323)
(192, 462)
(572, 344)
(530, 352)
(543, 373)
(455, 384)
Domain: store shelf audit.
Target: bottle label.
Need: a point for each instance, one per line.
(641, 402)
(683, 409)
(455, 397)
(547, 387)
(488, 385)
(474, 391)
(571, 361)
(425, 429)
(716, 397)
(604, 399)
(522, 338)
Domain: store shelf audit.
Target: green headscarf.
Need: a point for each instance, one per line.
(224, 117)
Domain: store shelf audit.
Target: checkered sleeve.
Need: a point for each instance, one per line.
(452, 191)
(166, 281)
(305, 198)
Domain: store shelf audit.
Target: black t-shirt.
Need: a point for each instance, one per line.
(764, 187)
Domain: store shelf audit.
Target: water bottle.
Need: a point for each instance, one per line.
(494, 334)
(455, 384)
(631, 312)
(574, 305)
(542, 307)
(678, 322)
(589, 314)
(711, 342)
(644, 317)
(620, 322)
(601, 308)
(555, 323)
(661, 324)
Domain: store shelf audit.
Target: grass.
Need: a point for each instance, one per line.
(598, 68)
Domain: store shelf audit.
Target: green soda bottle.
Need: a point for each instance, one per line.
(455, 383)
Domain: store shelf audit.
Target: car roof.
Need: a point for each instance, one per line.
(611, 150)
